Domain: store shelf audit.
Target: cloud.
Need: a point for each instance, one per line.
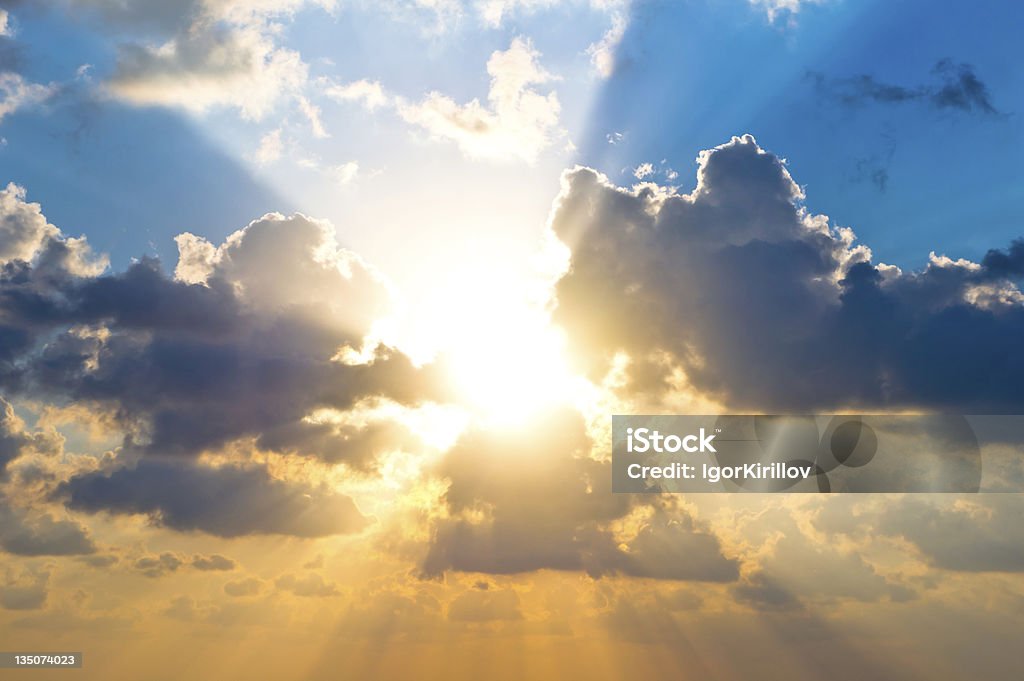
(243, 344)
(168, 562)
(643, 171)
(764, 593)
(229, 501)
(518, 121)
(251, 342)
(250, 586)
(25, 590)
(208, 66)
(763, 305)
(521, 502)
(270, 148)
(602, 52)
(312, 113)
(983, 534)
(16, 93)
(34, 533)
(201, 54)
(26, 235)
(494, 13)
(309, 585)
(215, 562)
(778, 9)
(957, 87)
(158, 566)
(368, 93)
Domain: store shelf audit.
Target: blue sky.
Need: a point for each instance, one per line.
(133, 171)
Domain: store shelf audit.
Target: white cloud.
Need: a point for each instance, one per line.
(776, 9)
(517, 122)
(494, 12)
(17, 93)
(25, 234)
(270, 147)
(209, 66)
(206, 53)
(368, 93)
(5, 24)
(344, 173)
(602, 53)
(643, 170)
(312, 112)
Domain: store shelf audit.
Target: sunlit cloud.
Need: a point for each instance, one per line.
(519, 121)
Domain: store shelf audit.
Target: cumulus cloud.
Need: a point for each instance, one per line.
(243, 343)
(250, 344)
(517, 122)
(26, 235)
(763, 305)
(525, 502)
(215, 562)
(159, 565)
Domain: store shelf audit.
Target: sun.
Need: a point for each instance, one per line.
(510, 372)
(505, 359)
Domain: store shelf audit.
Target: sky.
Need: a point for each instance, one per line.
(313, 314)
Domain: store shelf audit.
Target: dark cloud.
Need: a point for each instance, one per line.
(227, 501)
(766, 306)
(955, 86)
(761, 592)
(215, 562)
(160, 565)
(243, 345)
(34, 533)
(545, 504)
